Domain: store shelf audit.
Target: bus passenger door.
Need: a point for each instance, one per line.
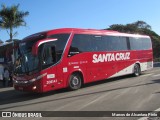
(48, 60)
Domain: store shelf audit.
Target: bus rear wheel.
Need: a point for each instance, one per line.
(75, 81)
(137, 70)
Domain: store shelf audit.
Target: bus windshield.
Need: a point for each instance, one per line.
(26, 62)
(49, 53)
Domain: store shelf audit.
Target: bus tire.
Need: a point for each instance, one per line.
(75, 81)
(137, 70)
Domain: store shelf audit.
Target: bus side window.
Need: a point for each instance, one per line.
(49, 55)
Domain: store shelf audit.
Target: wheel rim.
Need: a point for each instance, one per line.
(136, 70)
(75, 81)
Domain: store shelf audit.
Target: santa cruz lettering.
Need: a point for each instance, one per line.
(110, 57)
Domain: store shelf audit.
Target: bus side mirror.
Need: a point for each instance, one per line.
(73, 51)
(37, 44)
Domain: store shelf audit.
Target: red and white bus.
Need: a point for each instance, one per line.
(71, 57)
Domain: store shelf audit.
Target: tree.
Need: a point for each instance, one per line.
(10, 18)
(142, 24)
(136, 27)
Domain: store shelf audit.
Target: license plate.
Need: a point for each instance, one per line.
(20, 88)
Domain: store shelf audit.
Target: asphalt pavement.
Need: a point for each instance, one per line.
(125, 93)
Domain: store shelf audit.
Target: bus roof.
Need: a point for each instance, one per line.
(93, 31)
(86, 31)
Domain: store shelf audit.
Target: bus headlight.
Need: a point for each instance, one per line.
(20, 82)
(15, 81)
(38, 77)
(34, 87)
(33, 80)
(29, 81)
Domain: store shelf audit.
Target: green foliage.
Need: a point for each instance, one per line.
(140, 27)
(11, 17)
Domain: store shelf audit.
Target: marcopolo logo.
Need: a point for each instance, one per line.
(110, 57)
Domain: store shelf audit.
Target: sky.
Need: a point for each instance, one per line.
(96, 14)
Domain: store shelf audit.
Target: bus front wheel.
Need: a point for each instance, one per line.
(137, 70)
(75, 81)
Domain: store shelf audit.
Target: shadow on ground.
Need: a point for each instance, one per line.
(12, 96)
(156, 64)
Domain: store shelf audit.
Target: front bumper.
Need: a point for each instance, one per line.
(28, 87)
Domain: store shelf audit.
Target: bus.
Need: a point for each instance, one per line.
(71, 57)
(6, 56)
